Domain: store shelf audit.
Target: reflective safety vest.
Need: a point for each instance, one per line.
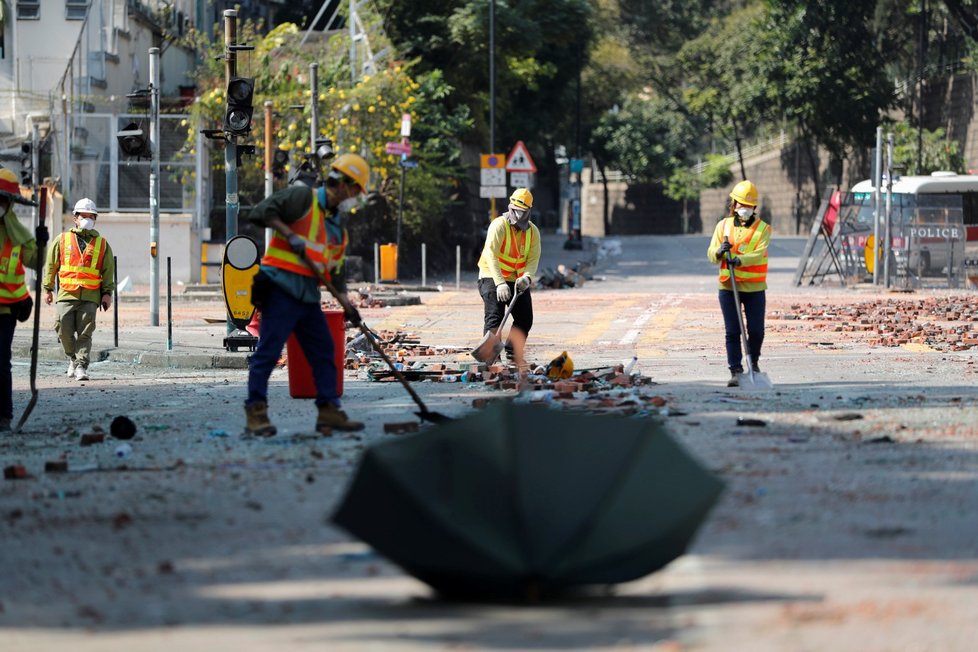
(12, 286)
(311, 229)
(81, 269)
(512, 261)
(745, 245)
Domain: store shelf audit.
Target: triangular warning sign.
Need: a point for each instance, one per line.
(519, 159)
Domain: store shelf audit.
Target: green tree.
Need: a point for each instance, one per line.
(939, 152)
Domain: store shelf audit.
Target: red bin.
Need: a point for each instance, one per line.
(301, 383)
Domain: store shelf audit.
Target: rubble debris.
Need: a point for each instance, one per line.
(565, 277)
(122, 428)
(745, 422)
(16, 472)
(89, 438)
(401, 428)
(940, 323)
(56, 466)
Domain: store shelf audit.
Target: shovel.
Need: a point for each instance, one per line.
(425, 414)
(750, 380)
(492, 343)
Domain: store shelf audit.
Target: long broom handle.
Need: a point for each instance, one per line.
(348, 309)
(741, 321)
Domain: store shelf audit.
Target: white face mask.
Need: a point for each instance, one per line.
(519, 218)
(86, 223)
(745, 212)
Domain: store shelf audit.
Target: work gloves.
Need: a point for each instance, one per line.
(523, 283)
(504, 293)
(725, 248)
(297, 244)
(733, 262)
(353, 315)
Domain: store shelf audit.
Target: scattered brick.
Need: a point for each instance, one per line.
(401, 428)
(15, 472)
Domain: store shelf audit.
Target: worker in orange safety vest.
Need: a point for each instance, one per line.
(81, 262)
(508, 265)
(739, 245)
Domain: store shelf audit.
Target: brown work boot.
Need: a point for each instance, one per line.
(256, 421)
(734, 378)
(332, 418)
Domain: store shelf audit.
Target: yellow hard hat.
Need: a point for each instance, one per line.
(522, 199)
(744, 193)
(355, 167)
(561, 367)
(10, 187)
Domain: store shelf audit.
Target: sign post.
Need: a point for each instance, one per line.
(492, 182)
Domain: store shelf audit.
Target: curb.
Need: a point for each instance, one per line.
(165, 360)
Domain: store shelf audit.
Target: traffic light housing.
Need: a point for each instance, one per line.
(133, 142)
(26, 165)
(237, 117)
(280, 159)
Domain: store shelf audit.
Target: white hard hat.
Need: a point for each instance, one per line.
(85, 205)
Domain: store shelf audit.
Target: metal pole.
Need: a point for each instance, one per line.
(35, 182)
(458, 267)
(889, 206)
(154, 188)
(400, 218)
(424, 265)
(376, 263)
(492, 93)
(115, 303)
(231, 204)
(313, 105)
(269, 183)
(169, 306)
(877, 196)
(353, 41)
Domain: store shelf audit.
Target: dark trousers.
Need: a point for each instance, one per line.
(7, 325)
(494, 309)
(753, 304)
(280, 317)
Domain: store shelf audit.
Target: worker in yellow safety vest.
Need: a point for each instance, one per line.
(18, 248)
(739, 245)
(508, 265)
(307, 221)
(81, 261)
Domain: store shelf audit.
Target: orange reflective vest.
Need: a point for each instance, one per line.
(12, 286)
(747, 244)
(81, 269)
(311, 229)
(513, 252)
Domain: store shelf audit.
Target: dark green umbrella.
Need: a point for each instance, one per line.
(520, 500)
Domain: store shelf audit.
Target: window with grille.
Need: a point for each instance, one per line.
(28, 9)
(76, 9)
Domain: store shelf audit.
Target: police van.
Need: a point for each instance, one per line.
(934, 219)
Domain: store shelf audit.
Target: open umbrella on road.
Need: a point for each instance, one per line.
(521, 501)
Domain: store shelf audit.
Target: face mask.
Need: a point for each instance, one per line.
(86, 223)
(745, 212)
(519, 218)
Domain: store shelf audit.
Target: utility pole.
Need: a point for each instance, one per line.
(405, 134)
(313, 106)
(231, 202)
(353, 41)
(492, 93)
(269, 185)
(154, 186)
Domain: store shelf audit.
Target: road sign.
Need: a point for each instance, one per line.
(519, 159)
(519, 179)
(492, 161)
(486, 192)
(577, 165)
(398, 148)
(408, 163)
(406, 124)
(492, 177)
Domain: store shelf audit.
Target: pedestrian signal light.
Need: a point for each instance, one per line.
(26, 165)
(280, 159)
(133, 142)
(237, 118)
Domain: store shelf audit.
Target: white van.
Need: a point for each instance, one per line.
(927, 217)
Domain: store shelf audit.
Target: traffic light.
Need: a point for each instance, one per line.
(237, 118)
(133, 142)
(280, 159)
(26, 165)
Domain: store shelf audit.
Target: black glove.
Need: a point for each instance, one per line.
(725, 247)
(353, 315)
(733, 262)
(41, 234)
(297, 244)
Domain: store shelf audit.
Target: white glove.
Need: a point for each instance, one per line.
(523, 283)
(503, 293)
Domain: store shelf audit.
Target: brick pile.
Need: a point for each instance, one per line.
(942, 323)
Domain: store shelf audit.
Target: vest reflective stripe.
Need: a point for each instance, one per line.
(311, 229)
(512, 261)
(12, 285)
(81, 269)
(747, 244)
